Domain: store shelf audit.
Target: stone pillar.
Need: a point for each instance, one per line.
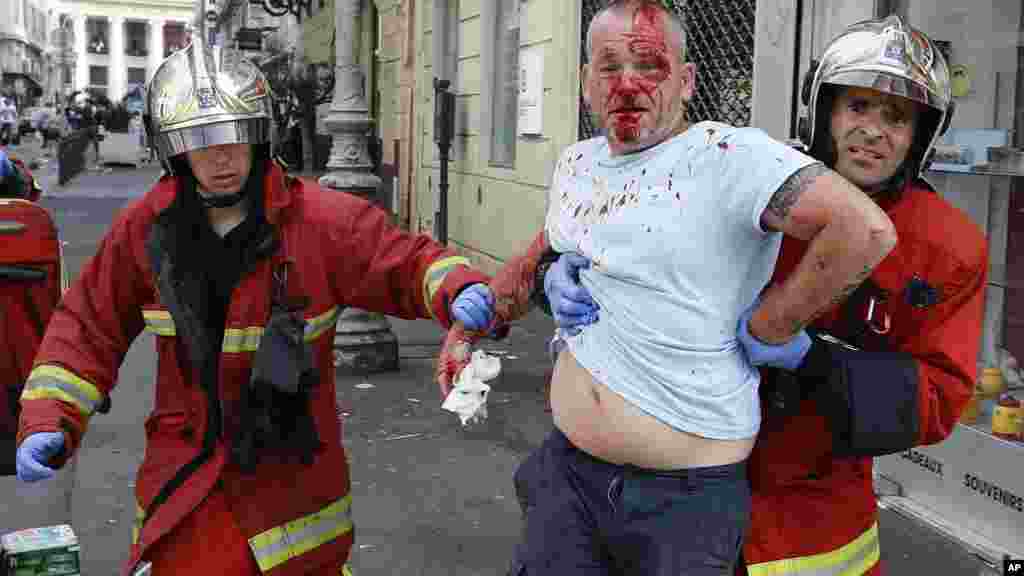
(349, 121)
(364, 341)
(155, 46)
(81, 79)
(117, 73)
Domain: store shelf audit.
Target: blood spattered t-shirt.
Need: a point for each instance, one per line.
(678, 253)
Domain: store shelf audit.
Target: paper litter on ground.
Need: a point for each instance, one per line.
(468, 398)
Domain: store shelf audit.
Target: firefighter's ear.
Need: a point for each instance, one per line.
(805, 90)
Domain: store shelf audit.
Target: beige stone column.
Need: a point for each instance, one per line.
(364, 341)
(349, 121)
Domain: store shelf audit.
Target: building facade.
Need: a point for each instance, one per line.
(294, 49)
(24, 51)
(120, 43)
(514, 67)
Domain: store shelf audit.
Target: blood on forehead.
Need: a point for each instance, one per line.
(646, 39)
(647, 36)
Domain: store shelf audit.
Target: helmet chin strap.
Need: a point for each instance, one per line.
(225, 201)
(893, 185)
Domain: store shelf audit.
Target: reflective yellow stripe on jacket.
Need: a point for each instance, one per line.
(160, 323)
(48, 381)
(853, 559)
(434, 277)
(140, 518)
(277, 545)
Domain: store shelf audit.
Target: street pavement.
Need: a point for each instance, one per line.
(430, 497)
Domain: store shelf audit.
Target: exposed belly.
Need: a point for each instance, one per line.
(603, 424)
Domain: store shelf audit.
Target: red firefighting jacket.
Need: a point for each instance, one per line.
(815, 512)
(24, 308)
(343, 252)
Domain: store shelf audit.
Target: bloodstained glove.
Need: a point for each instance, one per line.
(511, 289)
(456, 351)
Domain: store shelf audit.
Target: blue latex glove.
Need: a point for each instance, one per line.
(474, 307)
(571, 304)
(6, 168)
(35, 452)
(787, 356)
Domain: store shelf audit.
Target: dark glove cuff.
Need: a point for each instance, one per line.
(818, 362)
(538, 295)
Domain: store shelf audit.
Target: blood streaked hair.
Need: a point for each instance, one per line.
(676, 25)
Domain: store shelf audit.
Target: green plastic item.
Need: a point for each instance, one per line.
(46, 551)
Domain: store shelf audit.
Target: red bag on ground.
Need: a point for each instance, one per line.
(31, 284)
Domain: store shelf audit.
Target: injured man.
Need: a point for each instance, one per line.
(674, 230)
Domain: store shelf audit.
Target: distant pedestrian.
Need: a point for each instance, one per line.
(8, 121)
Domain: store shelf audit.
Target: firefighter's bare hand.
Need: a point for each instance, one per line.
(456, 351)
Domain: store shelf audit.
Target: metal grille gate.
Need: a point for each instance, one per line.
(720, 41)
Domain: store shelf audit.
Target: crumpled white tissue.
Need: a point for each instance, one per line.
(468, 398)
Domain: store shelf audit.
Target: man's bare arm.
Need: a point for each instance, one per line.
(849, 235)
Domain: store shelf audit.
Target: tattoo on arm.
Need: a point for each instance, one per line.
(791, 190)
(851, 287)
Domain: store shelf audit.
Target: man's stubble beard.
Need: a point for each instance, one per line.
(680, 123)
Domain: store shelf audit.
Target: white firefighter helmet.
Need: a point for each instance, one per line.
(889, 56)
(201, 97)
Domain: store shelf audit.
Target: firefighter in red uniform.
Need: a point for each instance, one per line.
(16, 355)
(893, 365)
(240, 272)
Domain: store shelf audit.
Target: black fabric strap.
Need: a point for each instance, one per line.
(870, 398)
(538, 296)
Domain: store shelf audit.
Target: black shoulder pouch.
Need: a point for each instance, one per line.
(283, 360)
(275, 405)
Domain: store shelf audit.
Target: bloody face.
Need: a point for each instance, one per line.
(872, 133)
(636, 84)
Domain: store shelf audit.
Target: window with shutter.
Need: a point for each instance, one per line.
(505, 84)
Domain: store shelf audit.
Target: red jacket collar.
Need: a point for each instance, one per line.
(278, 191)
(916, 186)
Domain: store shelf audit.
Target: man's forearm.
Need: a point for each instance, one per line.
(514, 285)
(840, 257)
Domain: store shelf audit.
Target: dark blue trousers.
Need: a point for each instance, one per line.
(586, 517)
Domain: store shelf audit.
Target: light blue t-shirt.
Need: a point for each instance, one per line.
(678, 253)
